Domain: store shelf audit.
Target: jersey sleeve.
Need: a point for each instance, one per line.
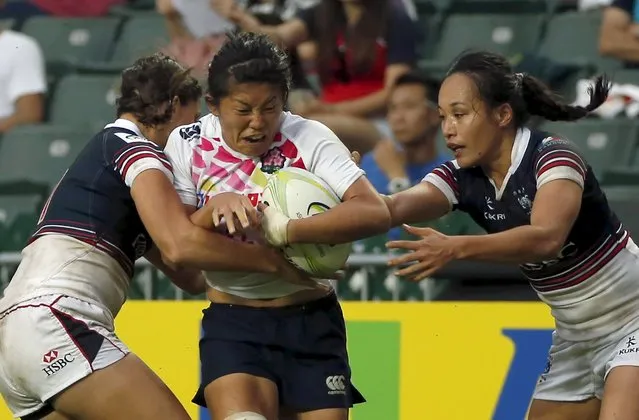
(180, 155)
(559, 159)
(330, 159)
(444, 178)
(137, 155)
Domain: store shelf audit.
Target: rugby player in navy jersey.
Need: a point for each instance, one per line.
(59, 355)
(542, 208)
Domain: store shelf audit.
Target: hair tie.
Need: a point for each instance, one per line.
(519, 81)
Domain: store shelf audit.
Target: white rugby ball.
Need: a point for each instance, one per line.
(298, 194)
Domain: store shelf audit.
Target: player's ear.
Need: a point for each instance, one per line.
(503, 115)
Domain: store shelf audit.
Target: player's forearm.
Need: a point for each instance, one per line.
(190, 280)
(205, 250)
(524, 244)
(203, 218)
(352, 220)
(414, 206)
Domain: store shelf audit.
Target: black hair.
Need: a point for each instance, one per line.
(248, 57)
(413, 77)
(298, 75)
(527, 95)
(149, 86)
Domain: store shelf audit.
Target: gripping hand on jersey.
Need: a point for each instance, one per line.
(426, 255)
(233, 207)
(274, 225)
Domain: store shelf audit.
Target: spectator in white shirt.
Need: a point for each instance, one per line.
(22, 80)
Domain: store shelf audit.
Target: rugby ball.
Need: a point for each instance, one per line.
(298, 194)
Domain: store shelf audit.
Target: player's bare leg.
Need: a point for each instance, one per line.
(621, 394)
(125, 390)
(241, 393)
(559, 410)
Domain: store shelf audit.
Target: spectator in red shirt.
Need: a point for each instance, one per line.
(22, 10)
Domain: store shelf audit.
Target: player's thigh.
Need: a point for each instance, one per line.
(566, 388)
(235, 361)
(315, 378)
(620, 364)
(564, 410)
(50, 343)
(125, 390)
(621, 394)
(241, 393)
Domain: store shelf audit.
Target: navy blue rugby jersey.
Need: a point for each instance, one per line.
(92, 202)
(537, 158)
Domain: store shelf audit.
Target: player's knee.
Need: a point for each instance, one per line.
(246, 415)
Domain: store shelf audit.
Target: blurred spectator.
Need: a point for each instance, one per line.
(22, 80)
(196, 32)
(362, 47)
(619, 34)
(22, 10)
(584, 5)
(414, 121)
(394, 166)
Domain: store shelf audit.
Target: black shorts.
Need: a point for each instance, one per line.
(301, 348)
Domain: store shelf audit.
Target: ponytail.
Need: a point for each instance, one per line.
(541, 101)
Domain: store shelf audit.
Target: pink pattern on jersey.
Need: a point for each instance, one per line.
(236, 182)
(299, 163)
(225, 156)
(198, 160)
(248, 166)
(289, 149)
(215, 168)
(206, 145)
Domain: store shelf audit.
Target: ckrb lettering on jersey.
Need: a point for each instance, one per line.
(490, 213)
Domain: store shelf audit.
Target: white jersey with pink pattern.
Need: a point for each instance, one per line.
(204, 165)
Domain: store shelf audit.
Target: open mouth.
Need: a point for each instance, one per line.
(455, 148)
(255, 138)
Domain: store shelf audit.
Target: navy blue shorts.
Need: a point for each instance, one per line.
(301, 348)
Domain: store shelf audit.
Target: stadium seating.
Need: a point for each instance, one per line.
(573, 38)
(141, 35)
(68, 43)
(85, 100)
(507, 34)
(35, 157)
(604, 143)
(18, 217)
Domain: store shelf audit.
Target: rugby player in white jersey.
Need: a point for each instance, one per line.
(542, 208)
(270, 349)
(59, 355)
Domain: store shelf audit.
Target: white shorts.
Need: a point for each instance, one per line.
(577, 370)
(49, 343)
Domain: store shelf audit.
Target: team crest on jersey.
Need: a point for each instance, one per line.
(191, 132)
(273, 161)
(523, 200)
(551, 141)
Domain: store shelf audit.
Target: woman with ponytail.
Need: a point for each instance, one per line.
(542, 208)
